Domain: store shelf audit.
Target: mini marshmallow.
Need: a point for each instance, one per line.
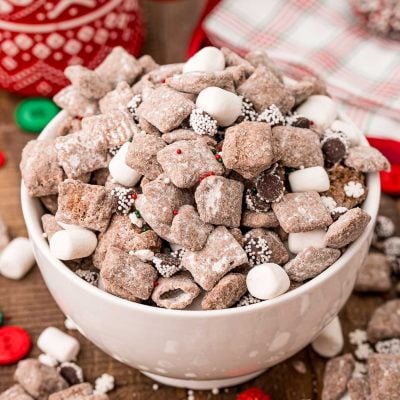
(319, 109)
(297, 242)
(224, 106)
(330, 341)
(266, 281)
(144, 254)
(58, 344)
(208, 59)
(72, 244)
(351, 132)
(309, 179)
(120, 171)
(17, 258)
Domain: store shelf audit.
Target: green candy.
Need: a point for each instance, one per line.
(1, 318)
(33, 114)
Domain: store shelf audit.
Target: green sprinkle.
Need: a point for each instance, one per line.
(214, 151)
(137, 213)
(220, 160)
(145, 228)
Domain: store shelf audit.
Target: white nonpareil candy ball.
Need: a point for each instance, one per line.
(58, 344)
(72, 244)
(224, 106)
(297, 242)
(352, 133)
(308, 179)
(208, 59)
(320, 109)
(330, 341)
(121, 173)
(17, 258)
(266, 281)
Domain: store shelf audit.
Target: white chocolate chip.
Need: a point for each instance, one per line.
(208, 59)
(308, 179)
(224, 106)
(266, 281)
(330, 341)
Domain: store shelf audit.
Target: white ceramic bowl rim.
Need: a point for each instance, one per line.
(371, 205)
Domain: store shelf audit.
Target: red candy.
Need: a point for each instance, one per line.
(15, 344)
(253, 394)
(2, 159)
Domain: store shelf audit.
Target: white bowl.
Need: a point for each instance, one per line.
(200, 349)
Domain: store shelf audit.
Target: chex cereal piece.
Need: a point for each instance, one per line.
(165, 108)
(74, 103)
(202, 123)
(225, 293)
(142, 155)
(391, 246)
(384, 376)
(4, 238)
(301, 212)
(148, 64)
(117, 127)
(347, 228)
(15, 392)
(374, 275)
(221, 254)
(366, 159)
(87, 82)
(186, 134)
(297, 147)
(233, 59)
(117, 99)
(238, 73)
(89, 206)
(337, 374)
(252, 219)
(189, 230)
(81, 391)
(347, 186)
(39, 168)
(219, 201)
(37, 379)
(310, 262)
(122, 234)
(385, 322)
(119, 66)
(263, 89)
(308, 86)
(147, 127)
(248, 149)
(168, 264)
(262, 246)
(186, 161)
(176, 292)
(238, 235)
(195, 82)
(50, 226)
(123, 271)
(68, 125)
(260, 57)
(50, 202)
(358, 389)
(81, 152)
(161, 74)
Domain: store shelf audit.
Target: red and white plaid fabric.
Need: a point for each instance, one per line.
(322, 37)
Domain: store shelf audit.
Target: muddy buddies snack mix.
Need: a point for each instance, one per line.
(213, 180)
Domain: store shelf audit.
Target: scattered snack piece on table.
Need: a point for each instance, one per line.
(17, 258)
(330, 341)
(15, 344)
(185, 181)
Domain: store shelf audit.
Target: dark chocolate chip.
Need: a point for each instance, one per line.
(302, 122)
(71, 372)
(270, 186)
(334, 147)
(254, 203)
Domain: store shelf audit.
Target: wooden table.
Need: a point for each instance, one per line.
(30, 305)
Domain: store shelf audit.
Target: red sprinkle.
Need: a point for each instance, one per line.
(209, 173)
(15, 344)
(134, 196)
(175, 212)
(219, 148)
(253, 394)
(217, 156)
(178, 151)
(2, 159)
(156, 283)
